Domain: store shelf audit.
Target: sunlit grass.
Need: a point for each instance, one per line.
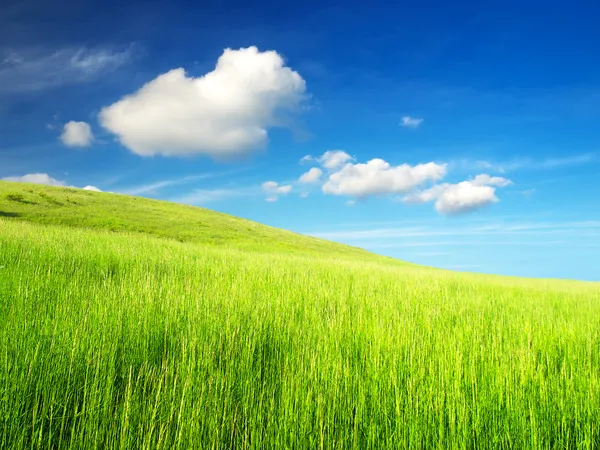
(125, 340)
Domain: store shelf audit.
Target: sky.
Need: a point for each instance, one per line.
(463, 136)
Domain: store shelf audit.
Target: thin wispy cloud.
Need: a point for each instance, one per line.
(202, 197)
(154, 187)
(31, 70)
(592, 226)
(532, 164)
(471, 243)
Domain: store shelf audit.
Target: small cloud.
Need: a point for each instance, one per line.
(410, 122)
(307, 159)
(452, 199)
(91, 188)
(464, 197)
(274, 190)
(77, 134)
(312, 176)
(351, 203)
(37, 178)
(485, 180)
(334, 159)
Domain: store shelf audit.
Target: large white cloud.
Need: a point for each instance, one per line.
(274, 190)
(461, 197)
(37, 178)
(77, 134)
(378, 177)
(312, 176)
(222, 114)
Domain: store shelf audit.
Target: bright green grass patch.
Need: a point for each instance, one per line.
(121, 213)
(129, 340)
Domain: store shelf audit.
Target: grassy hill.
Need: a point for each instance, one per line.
(122, 213)
(132, 323)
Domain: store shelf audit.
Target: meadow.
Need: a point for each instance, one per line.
(128, 323)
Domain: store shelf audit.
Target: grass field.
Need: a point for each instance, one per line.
(129, 323)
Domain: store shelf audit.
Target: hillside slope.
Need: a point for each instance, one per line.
(158, 337)
(121, 213)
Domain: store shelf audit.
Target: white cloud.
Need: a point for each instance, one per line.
(485, 180)
(378, 177)
(91, 188)
(274, 190)
(306, 159)
(312, 176)
(428, 195)
(410, 122)
(37, 178)
(334, 159)
(464, 197)
(35, 69)
(77, 134)
(461, 197)
(223, 114)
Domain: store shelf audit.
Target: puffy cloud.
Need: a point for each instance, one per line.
(378, 177)
(222, 114)
(37, 178)
(306, 159)
(77, 134)
(274, 190)
(485, 180)
(334, 159)
(461, 197)
(312, 176)
(91, 188)
(410, 122)
(464, 197)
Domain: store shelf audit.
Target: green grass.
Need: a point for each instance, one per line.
(156, 336)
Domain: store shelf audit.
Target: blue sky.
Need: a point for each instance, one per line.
(464, 136)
